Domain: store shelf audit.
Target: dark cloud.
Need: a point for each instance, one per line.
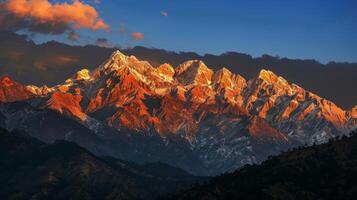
(13, 23)
(103, 42)
(73, 36)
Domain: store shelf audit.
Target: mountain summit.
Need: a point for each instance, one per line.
(222, 119)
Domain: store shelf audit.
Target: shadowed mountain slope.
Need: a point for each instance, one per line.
(30, 169)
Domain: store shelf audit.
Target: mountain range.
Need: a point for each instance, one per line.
(204, 121)
(53, 62)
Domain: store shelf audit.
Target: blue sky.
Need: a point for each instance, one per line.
(320, 29)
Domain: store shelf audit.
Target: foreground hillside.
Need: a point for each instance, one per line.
(327, 171)
(30, 169)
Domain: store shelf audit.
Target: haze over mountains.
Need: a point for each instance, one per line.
(54, 62)
(190, 117)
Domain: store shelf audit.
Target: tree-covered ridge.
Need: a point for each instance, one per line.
(327, 171)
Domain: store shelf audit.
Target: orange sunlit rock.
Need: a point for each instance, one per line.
(289, 109)
(11, 91)
(66, 103)
(193, 72)
(259, 128)
(333, 114)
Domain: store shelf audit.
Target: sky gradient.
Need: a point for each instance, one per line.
(324, 30)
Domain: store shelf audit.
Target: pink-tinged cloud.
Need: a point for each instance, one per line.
(42, 12)
(137, 36)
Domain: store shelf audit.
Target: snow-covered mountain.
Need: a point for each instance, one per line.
(190, 116)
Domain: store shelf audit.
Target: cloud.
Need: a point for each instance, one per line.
(51, 18)
(164, 13)
(73, 36)
(137, 36)
(103, 42)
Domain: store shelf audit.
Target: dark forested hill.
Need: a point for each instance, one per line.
(30, 169)
(327, 171)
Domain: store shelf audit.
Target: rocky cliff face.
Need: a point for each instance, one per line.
(225, 120)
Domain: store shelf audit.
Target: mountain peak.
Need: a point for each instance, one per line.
(270, 77)
(267, 75)
(114, 62)
(166, 70)
(83, 74)
(224, 72)
(118, 55)
(193, 72)
(223, 76)
(118, 61)
(191, 64)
